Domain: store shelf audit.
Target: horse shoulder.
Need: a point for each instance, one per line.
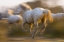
(28, 16)
(37, 14)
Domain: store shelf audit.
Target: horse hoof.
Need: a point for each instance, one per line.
(32, 37)
(24, 30)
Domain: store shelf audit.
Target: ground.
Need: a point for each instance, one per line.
(4, 38)
(37, 39)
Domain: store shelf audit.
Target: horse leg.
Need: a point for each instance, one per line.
(34, 31)
(44, 25)
(30, 27)
(9, 28)
(42, 29)
(16, 25)
(23, 23)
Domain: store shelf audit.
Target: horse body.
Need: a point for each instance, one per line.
(58, 16)
(14, 18)
(28, 17)
(36, 15)
(33, 15)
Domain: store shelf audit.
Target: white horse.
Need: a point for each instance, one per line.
(13, 19)
(35, 17)
(58, 16)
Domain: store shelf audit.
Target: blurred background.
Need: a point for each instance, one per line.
(53, 30)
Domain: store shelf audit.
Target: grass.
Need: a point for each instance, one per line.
(55, 29)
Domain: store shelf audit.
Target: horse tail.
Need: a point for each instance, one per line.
(50, 16)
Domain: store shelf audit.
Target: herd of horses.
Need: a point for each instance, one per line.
(32, 17)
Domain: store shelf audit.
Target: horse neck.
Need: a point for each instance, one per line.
(24, 12)
(9, 15)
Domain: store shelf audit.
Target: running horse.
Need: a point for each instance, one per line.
(36, 16)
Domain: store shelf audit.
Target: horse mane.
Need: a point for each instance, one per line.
(25, 6)
(10, 11)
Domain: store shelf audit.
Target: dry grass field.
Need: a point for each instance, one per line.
(5, 38)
